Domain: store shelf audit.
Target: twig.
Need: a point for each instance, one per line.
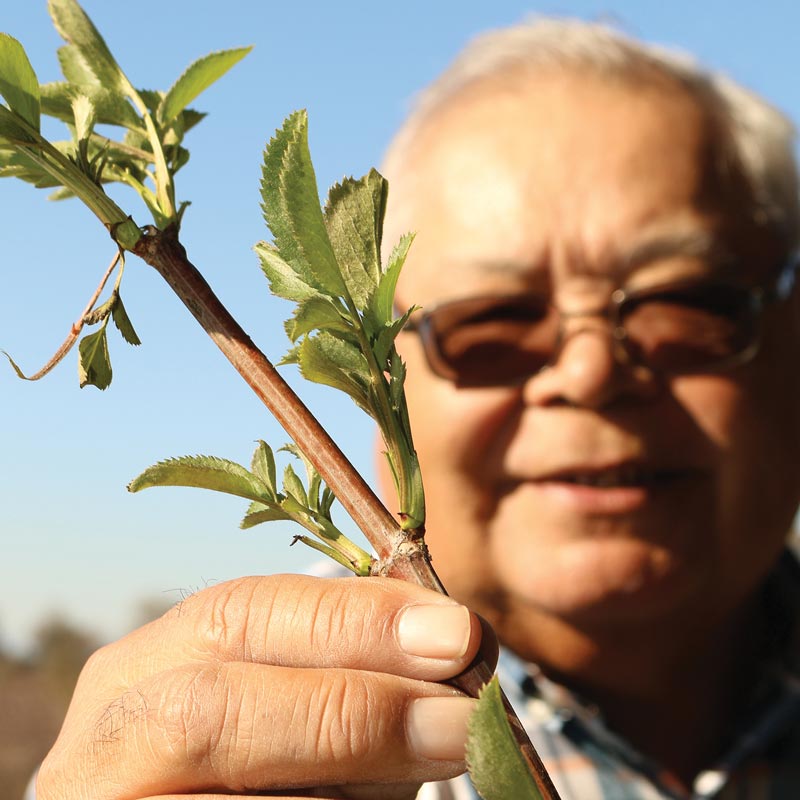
(74, 331)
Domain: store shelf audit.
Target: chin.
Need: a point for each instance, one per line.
(607, 581)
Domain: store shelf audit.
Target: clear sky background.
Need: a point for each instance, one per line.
(74, 542)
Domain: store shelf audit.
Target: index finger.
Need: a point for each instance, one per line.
(379, 624)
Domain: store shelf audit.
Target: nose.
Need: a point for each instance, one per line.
(590, 368)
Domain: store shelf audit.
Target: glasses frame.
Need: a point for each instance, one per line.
(758, 298)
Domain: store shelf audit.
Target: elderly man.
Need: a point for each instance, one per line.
(604, 393)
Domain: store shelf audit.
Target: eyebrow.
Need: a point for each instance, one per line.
(650, 246)
(693, 242)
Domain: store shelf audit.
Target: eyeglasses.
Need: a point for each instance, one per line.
(677, 328)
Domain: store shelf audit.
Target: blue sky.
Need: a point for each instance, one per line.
(74, 542)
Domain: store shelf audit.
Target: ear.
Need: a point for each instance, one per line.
(383, 472)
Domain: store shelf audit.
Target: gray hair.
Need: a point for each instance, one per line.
(760, 139)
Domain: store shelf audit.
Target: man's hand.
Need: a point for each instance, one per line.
(285, 685)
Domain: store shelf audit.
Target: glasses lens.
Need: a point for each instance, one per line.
(690, 328)
(487, 341)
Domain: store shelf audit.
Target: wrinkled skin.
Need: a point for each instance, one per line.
(618, 591)
(266, 684)
(285, 683)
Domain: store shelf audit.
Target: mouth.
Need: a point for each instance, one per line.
(619, 489)
(625, 476)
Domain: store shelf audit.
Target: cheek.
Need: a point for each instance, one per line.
(751, 421)
(453, 432)
(453, 428)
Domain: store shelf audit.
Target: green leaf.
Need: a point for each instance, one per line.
(19, 165)
(196, 79)
(190, 118)
(263, 465)
(384, 341)
(325, 359)
(317, 313)
(294, 507)
(397, 377)
(18, 83)
(13, 130)
(111, 108)
(202, 472)
(382, 302)
(283, 279)
(123, 323)
(91, 60)
(354, 218)
(292, 485)
(261, 512)
(292, 209)
(85, 117)
(94, 365)
(312, 476)
(496, 766)
(75, 67)
(326, 501)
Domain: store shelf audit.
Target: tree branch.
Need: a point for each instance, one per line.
(401, 554)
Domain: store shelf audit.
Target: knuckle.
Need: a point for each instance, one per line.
(351, 717)
(220, 618)
(187, 715)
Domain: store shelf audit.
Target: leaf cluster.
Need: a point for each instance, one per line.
(328, 262)
(309, 505)
(146, 154)
(94, 363)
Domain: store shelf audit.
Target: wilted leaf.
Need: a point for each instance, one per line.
(202, 472)
(98, 314)
(18, 83)
(94, 364)
(495, 763)
(196, 79)
(123, 323)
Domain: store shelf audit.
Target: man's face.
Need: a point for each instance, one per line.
(594, 491)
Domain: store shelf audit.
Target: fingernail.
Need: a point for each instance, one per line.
(437, 727)
(434, 631)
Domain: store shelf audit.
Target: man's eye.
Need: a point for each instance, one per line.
(509, 312)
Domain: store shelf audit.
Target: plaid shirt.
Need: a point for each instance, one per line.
(587, 761)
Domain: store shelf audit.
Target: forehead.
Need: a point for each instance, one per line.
(560, 172)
